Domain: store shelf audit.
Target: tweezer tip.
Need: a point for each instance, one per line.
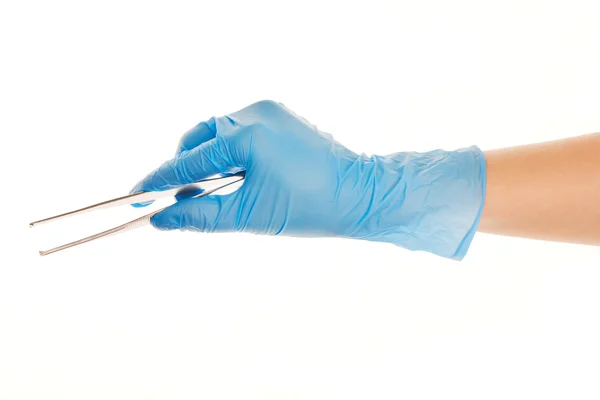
(42, 253)
(31, 224)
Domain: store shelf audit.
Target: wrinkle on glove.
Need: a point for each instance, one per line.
(301, 182)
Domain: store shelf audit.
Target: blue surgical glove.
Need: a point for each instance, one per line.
(301, 182)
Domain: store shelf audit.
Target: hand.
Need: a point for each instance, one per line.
(301, 182)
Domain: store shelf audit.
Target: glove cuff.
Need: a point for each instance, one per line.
(430, 201)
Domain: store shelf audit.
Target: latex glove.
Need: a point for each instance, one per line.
(301, 182)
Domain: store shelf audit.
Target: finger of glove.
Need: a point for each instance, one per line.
(199, 134)
(190, 166)
(204, 214)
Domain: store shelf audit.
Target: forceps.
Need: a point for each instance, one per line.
(208, 186)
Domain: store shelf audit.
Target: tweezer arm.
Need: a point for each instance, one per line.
(129, 199)
(136, 223)
(143, 197)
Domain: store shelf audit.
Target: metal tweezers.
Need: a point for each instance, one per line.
(205, 187)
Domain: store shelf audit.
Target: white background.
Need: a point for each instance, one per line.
(96, 94)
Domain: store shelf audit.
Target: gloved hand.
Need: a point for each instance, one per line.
(301, 182)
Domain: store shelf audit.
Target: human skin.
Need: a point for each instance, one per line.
(548, 191)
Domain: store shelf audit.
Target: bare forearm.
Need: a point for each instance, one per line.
(547, 191)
